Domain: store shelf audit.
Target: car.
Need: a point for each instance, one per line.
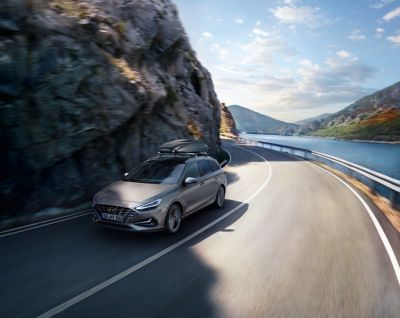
(162, 190)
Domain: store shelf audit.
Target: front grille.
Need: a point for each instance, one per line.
(116, 210)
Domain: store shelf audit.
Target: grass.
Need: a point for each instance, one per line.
(71, 8)
(171, 97)
(194, 129)
(120, 27)
(123, 67)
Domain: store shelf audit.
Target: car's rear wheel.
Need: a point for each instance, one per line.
(173, 219)
(220, 198)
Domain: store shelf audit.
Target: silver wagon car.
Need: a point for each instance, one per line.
(161, 191)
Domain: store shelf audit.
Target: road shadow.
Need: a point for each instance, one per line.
(179, 284)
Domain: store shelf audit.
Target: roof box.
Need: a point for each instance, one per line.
(184, 147)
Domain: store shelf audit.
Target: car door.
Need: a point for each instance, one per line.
(208, 179)
(193, 195)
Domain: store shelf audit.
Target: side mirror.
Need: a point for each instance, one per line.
(190, 180)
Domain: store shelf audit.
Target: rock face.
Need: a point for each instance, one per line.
(228, 126)
(89, 89)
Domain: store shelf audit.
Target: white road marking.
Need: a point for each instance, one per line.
(378, 227)
(381, 233)
(56, 310)
(40, 224)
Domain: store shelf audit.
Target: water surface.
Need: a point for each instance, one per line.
(383, 158)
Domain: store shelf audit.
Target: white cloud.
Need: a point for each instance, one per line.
(238, 20)
(339, 80)
(380, 4)
(221, 52)
(258, 23)
(343, 54)
(394, 39)
(251, 73)
(263, 47)
(392, 14)
(292, 14)
(379, 32)
(258, 31)
(356, 35)
(207, 35)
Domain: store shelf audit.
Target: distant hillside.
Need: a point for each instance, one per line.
(374, 117)
(313, 119)
(252, 122)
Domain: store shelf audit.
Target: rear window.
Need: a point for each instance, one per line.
(214, 165)
(193, 171)
(205, 167)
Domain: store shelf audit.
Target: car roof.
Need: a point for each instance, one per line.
(179, 158)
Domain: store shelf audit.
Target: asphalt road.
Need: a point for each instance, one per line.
(290, 241)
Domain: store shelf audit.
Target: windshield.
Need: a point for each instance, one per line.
(157, 171)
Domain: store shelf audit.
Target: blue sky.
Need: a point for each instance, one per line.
(292, 59)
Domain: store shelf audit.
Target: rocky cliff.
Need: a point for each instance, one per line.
(89, 89)
(228, 126)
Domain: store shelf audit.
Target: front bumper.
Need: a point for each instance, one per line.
(130, 219)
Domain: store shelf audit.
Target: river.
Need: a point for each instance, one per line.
(381, 157)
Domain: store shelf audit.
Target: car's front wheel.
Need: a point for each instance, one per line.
(173, 219)
(220, 198)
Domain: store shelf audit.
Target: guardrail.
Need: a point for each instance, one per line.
(377, 182)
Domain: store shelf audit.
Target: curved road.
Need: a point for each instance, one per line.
(291, 241)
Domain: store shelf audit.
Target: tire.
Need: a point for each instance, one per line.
(220, 197)
(173, 219)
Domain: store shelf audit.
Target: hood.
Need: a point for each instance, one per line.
(130, 192)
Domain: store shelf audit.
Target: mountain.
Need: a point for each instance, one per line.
(374, 117)
(87, 90)
(318, 118)
(228, 126)
(250, 121)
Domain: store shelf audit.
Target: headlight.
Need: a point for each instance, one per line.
(148, 206)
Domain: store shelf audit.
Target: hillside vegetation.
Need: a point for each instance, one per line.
(384, 126)
(374, 117)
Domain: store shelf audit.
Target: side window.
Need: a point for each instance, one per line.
(205, 167)
(193, 171)
(215, 166)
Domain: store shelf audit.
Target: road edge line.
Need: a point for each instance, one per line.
(40, 224)
(378, 227)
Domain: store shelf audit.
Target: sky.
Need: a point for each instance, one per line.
(294, 59)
